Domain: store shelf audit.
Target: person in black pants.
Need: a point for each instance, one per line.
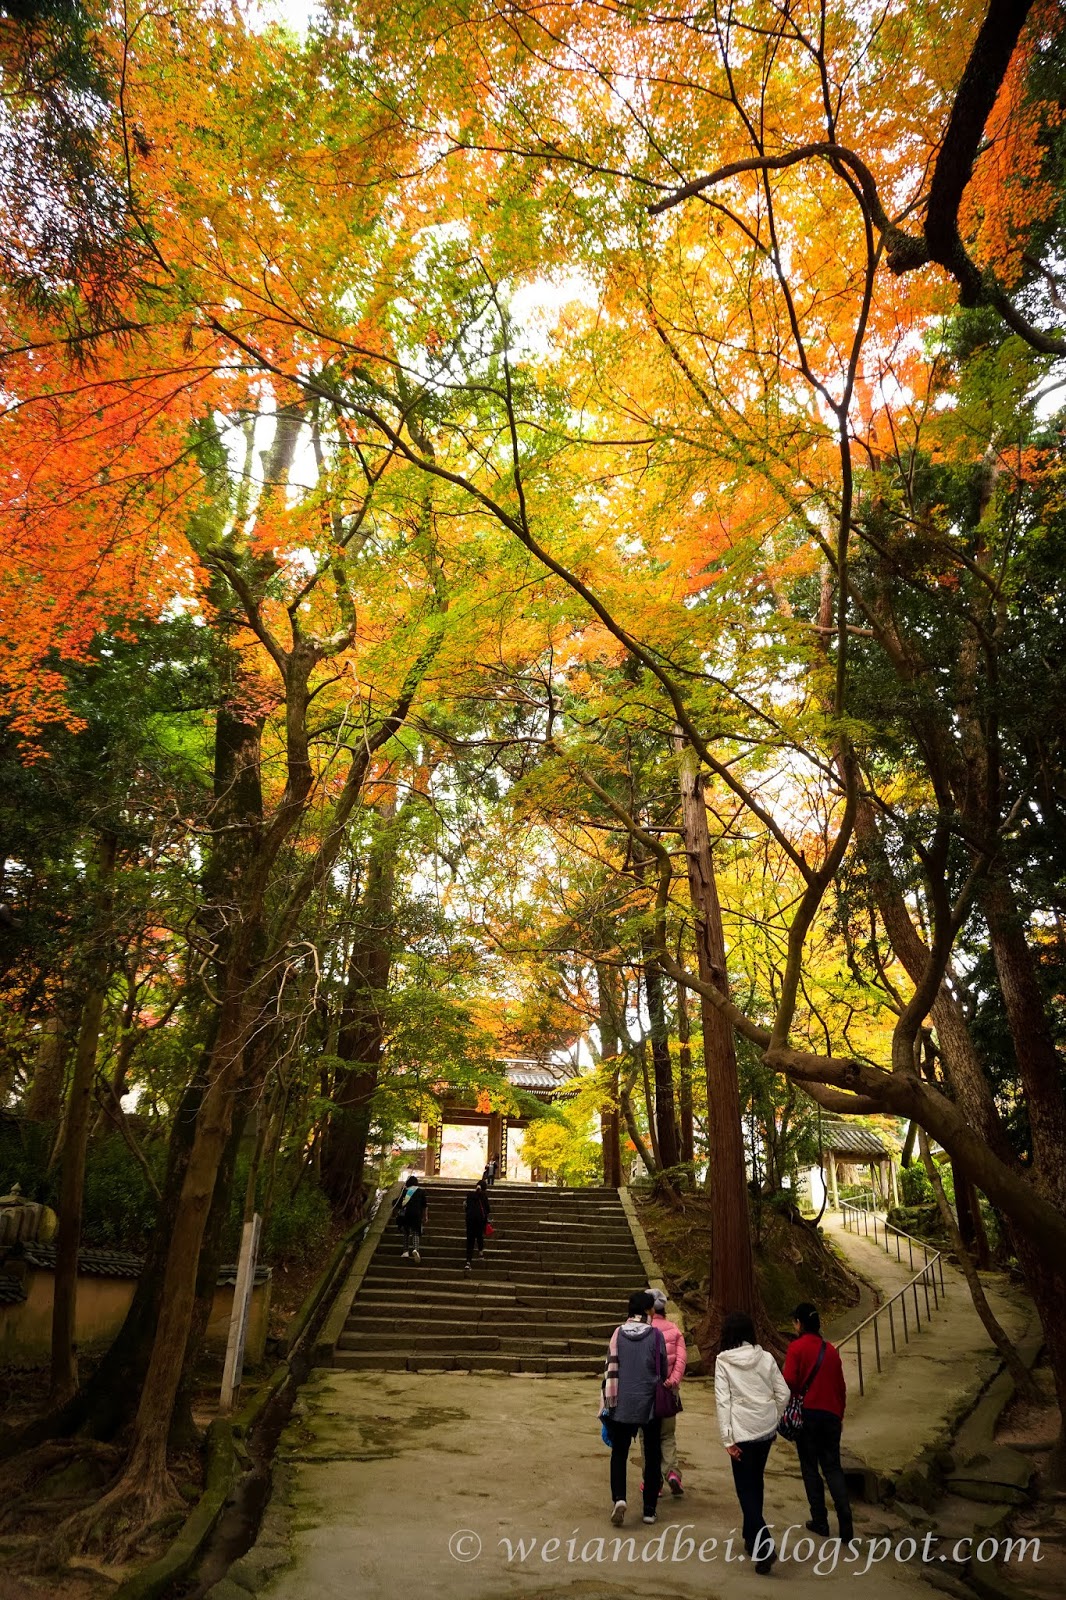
(821, 1382)
(749, 1394)
(636, 1364)
(477, 1218)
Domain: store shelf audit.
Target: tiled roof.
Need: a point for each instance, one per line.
(229, 1275)
(93, 1263)
(118, 1264)
(535, 1075)
(845, 1139)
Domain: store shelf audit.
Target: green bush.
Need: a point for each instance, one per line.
(297, 1227)
(915, 1188)
(120, 1208)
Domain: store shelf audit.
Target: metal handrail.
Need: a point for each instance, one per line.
(865, 1200)
(930, 1276)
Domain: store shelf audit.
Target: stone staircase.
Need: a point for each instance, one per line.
(546, 1295)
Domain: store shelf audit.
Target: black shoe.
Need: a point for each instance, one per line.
(762, 1567)
(846, 1534)
(818, 1527)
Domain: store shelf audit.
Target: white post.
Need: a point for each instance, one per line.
(895, 1183)
(238, 1322)
(833, 1181)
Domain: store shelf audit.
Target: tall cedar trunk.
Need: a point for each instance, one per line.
(733, 1283)
(665, 1115)
(684, 1075)
(64, 1366)
(361, 1034)
(610, 1044)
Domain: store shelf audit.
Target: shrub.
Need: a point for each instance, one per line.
(915, 1188)
(297, 1227)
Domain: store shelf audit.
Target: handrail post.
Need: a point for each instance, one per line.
(877, 1343)
(858, 1352)
(892, 1327)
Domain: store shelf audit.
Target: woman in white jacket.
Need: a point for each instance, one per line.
(750, 1394)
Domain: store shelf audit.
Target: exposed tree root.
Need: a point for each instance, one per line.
(20, 1476)
(118, 1524)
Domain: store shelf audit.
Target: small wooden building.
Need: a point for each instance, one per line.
(854, 1158)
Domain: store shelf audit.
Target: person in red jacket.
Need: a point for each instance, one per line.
(824, 1399)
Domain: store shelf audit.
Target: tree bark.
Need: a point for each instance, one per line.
(733, 1284)
(1039, 1064)
(665, 1116)
(64, 1366)
(44, 1098)
(1022, 1379)
(610, 1045)
(361, 1035)
(684, 1072)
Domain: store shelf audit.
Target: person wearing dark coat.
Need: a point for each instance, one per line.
(411, 1210)
(636, 1364)
(477, 1219)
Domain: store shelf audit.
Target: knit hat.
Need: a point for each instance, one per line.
(659, 1296)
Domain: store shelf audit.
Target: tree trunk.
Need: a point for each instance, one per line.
(360, 1038)
(1019, 1373)
(44, 1098)
(732, 1269)
(1039, 1064)
(625, 1100)
(610, 1044)
(968, 1214)
(649, 1107)
(684, 1070)
(184, 1434)
(64, 1366)
(145, 1491)
(665, 1116)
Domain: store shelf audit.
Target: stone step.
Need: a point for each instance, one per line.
(546, 1232)
(466, 1342)
(501, 1245)
(480, 1361)
(479, 1300)
(618, 1283)
(472, 1314)
(400, 1329)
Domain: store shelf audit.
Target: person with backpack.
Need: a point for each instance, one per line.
(635, 1371)
(749, 1394)
(478, 1211)
(815, 1375)
(412, 1208)
(677, 1359)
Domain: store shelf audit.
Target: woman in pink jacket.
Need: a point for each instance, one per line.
(677, 1358)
